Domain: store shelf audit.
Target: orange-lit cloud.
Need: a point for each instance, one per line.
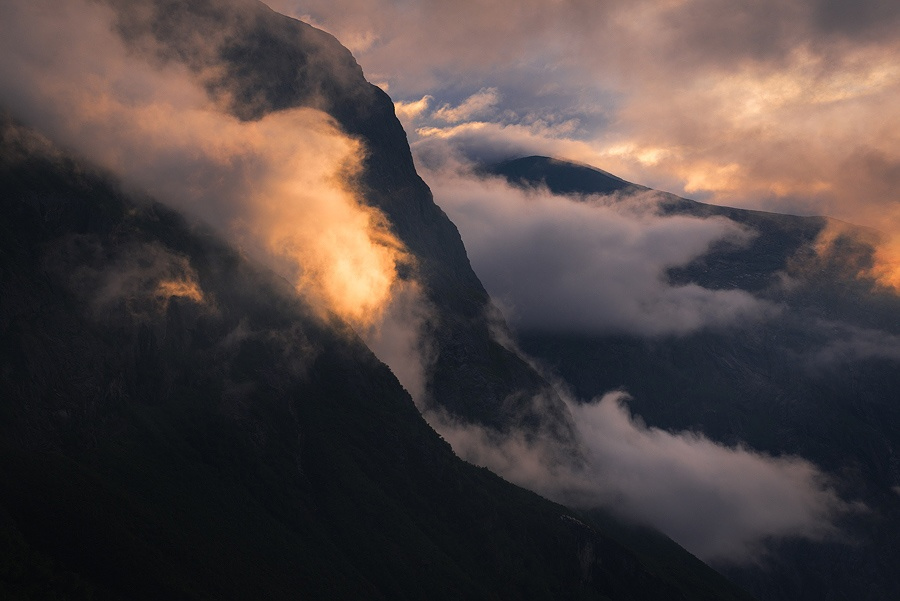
(886, 270)
(279, 186)
(180, 288)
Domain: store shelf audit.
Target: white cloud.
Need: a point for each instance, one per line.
(721, 503)
(597, 265)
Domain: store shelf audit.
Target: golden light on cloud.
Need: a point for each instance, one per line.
(886, 270)
(756, 94)
(863, 253)
(179, 288)
(342, 253)
(279, 186)
(409, 111)
(293, 206)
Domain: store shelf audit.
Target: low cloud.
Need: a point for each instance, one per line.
(481, 141)
(721, 503)
(402, 339)
(279, 187)
(596, 264)
(139, 279)
(410, 111)
(845, 343)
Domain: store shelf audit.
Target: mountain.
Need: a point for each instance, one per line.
(269, 63)
(819, 379)
(230, 444)
(175, 422)
(560, 177)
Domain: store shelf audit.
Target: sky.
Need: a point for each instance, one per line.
(782, 106)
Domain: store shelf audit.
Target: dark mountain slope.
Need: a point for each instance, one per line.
(156, 443)
(561, 177)
(819, 380)
(268, 62)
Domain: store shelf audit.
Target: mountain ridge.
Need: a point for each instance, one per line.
(214, 439)
(201, 452)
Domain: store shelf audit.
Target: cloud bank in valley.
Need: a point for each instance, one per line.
(781, 106)
(721, 503)
(593, 265)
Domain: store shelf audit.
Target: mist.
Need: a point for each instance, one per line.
(596, 264)
(279, 187)
(723, 504)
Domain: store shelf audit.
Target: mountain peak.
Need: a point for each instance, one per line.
(561, 177)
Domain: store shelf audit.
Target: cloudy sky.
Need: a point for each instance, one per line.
(786, 106)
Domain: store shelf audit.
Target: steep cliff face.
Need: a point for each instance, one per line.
(262, 62)
(174, 423)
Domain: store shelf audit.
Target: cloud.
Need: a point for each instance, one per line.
(594, 265)
(784, 106)
(721, 503)
(480, 141)
(848, 343)
(139, 279)
(476, 105)
(401, 339)
(410, 111)
(278, 186)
